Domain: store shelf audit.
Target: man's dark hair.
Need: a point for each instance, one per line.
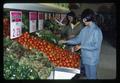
(88, 14)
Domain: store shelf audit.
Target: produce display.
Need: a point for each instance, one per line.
(51, 25)
(58, 56)
(46, 35)
(22, 63)
(35, 55)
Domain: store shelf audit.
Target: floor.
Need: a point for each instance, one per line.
(107, 66)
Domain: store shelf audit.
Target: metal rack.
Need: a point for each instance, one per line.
(45, 7)
(63, 73)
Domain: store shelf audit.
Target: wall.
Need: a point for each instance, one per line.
(93, 6)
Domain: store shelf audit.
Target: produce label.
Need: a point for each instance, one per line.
(40, 20)
(15, 24)
(32, 21)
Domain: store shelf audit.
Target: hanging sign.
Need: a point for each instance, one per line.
(40, 20)
(15, 24)
(49, 15)
(46, 15)
(32, 21)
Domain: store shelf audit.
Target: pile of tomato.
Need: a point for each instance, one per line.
(58, 56)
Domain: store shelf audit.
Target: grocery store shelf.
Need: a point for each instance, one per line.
(63, 75)
(69, 70)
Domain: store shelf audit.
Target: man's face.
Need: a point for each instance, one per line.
(85, 22)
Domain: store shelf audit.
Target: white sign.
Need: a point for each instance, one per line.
(49, 15)
(15, 24)
(40, 20)
(46, 16)
(32, 21)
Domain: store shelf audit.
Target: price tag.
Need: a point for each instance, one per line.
(40, 20)
(15, 24)
(32, 21)
(46, 16)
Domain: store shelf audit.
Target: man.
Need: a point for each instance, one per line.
(90, 39)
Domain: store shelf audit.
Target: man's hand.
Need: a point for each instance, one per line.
(61, 42)
(71, 36)
(77, 47)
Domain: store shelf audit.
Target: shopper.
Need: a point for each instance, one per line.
(90, 39)
(71, 28)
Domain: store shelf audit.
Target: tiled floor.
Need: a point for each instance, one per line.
(107, 66)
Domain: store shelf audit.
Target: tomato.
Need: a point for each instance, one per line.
(55, 59)
(55, 64)
(60, 64)
(25, 40)
(40, 43)
(77, 56)
(64, 64)
(70, 60)
(75, 65)
(50, 50)
(50, 56)
(52, 59)
(66, 61)
(30, 42)
(63, 55)
(68, 65)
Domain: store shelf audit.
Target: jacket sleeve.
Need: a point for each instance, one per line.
(64, 30)
(75, 40)
(97, 40)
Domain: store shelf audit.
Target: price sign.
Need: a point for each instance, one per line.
(32, 21)
(15, 24)
(40, 20)
(46, 16)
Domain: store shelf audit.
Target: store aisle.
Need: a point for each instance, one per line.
(107, 66)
